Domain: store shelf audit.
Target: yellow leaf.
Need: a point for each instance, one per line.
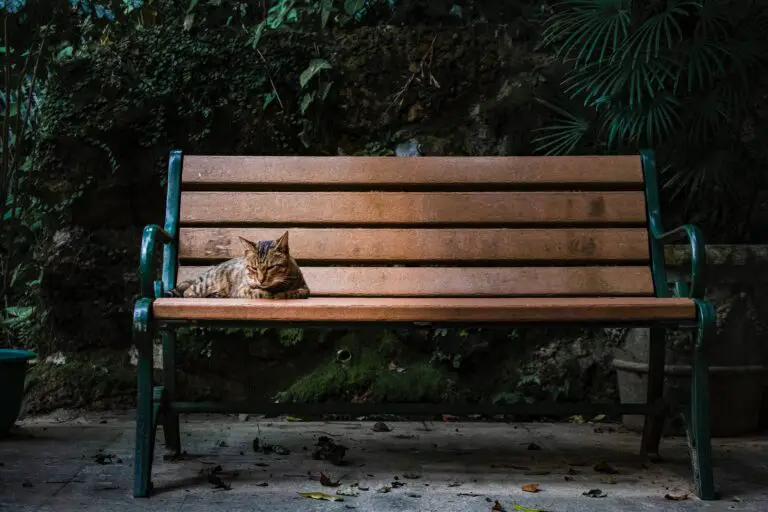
(521, 508)
(320, 496)
(293, 418)
(531, 488)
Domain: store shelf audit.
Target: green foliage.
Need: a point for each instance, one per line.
(679, 75)
(368, 375)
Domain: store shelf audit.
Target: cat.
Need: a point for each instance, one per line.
(265, 271)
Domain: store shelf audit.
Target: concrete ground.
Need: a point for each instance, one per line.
(83, 462)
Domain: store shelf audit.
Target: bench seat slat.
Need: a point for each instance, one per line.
(274, 171)
(426, 245)
(412, 208)
(471, 281)
(335, 309)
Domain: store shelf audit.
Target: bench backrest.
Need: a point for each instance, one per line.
(426, 226)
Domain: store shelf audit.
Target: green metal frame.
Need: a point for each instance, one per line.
(157, 404)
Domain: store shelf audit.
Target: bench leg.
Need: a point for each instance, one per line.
(170, 418)
(654, 422)
(698, 424)
(146, 409)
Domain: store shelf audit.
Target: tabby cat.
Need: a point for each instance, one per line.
(265, 271)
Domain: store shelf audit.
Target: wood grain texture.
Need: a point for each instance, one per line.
(513, 310)
(471, 282)
(361, 208)
(275, 171)
(426, 245)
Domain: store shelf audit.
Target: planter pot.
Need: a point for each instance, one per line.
(13, 370)
(736, 394)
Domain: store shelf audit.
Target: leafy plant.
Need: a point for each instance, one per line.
(676, 75)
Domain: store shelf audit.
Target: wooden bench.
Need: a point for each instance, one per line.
(445, 241)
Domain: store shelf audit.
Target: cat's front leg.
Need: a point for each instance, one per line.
(298, 293)
(248, 292)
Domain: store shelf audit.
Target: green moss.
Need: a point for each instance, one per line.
(368, 375)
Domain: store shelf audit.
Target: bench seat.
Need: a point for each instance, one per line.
(617, 310)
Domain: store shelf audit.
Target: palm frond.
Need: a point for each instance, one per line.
(565, 136)
(646, 125)
(586, 26)
(658, 33)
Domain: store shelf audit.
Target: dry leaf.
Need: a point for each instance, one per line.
(608, 480)
(604, 467)
(497, 507)
(594, 493)
(327, 482)
(320, 496)
(531, 488)
(677, 496)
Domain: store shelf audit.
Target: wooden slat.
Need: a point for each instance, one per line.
(359, 208)
(471, 282)
(329, 171)
(334, 309)
(427, 245)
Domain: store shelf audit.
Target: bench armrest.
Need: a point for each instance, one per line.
(698, 259)
(152, 234)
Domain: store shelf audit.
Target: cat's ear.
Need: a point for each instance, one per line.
(249, 246)
(281, 244)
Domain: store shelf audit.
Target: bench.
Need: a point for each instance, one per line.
(440, 241)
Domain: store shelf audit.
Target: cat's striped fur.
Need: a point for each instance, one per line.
(265, 271)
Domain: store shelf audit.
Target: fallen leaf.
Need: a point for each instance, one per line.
(576, 419)
(608, 480)
(347, 491)
(594, 493)
(413, 495)
(604, 467)
(381, 427)
(320, 496)
(531, 488)
(327, 482)
(521, 508)
(497, 507)
(280, 450)
(262, 484)
(293, 418)
(534, 447)
(397, 484)
(384, 489)
(411, 476)
(676, 496)
(598, 418)
(454, 484)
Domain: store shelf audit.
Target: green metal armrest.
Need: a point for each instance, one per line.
(698, 258)
(152, 233)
